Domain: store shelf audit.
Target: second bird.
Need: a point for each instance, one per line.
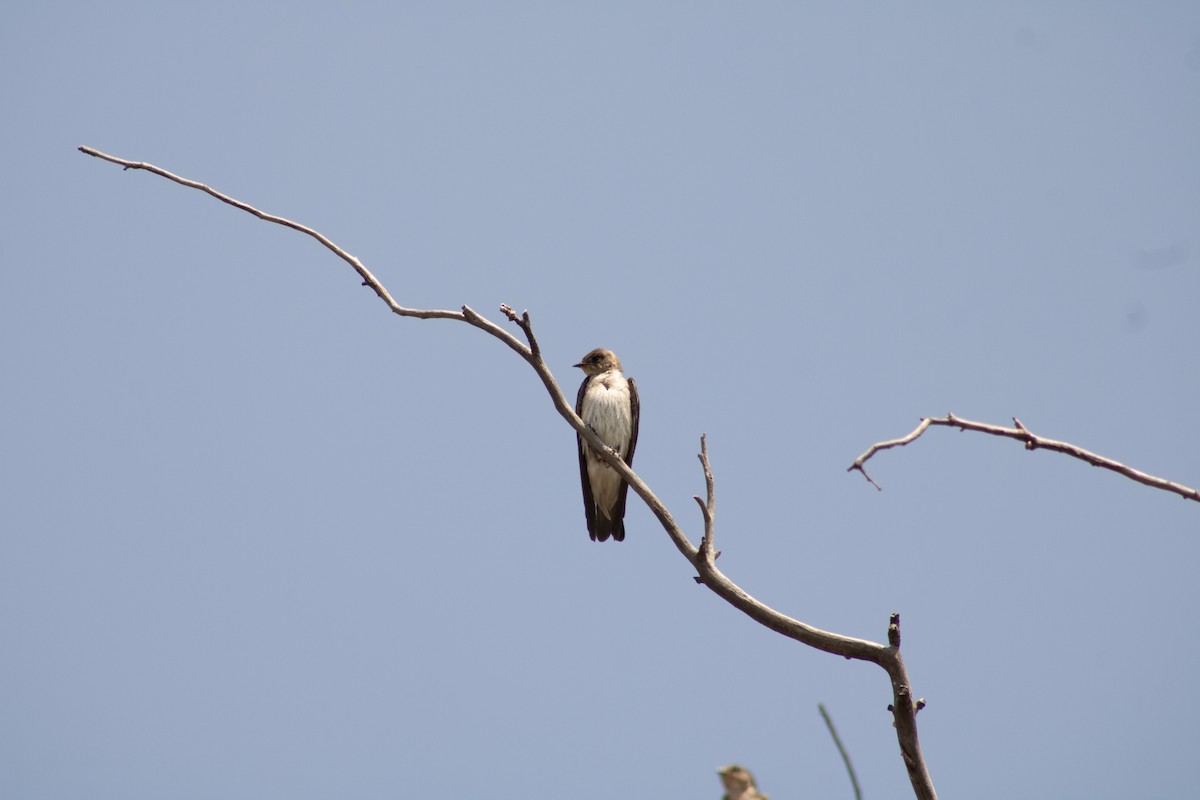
(608, 404)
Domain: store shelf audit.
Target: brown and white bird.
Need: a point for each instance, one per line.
(608, 404)
(739, 784)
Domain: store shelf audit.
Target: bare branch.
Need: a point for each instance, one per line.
(524, 324)
(1031, 442)
(837, 740)
(886, 656)
(858, 462)
(707, 508)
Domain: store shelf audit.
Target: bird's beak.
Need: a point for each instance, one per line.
(580, 365)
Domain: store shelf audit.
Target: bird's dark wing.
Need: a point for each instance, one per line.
(635, 409)
(589, 504)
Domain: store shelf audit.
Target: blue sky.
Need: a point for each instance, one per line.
(263, 539)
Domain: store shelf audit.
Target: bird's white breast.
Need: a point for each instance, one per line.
(607, 410)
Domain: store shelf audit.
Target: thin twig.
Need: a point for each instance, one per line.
(708, 508)
(525, 325)
(837, 740)
(886, 656)
(858, 463)
(1031, 442)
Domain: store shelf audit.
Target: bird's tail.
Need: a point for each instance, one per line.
(608, 527)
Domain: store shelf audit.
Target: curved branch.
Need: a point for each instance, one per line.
(368, 279)
(1032, 442)
(702, 559)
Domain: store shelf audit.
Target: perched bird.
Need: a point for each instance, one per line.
(739, 784)
(608, 404)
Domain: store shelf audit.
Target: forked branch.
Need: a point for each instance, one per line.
(1032, 442)
(703, 559)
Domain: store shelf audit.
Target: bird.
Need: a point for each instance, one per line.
(739, 784)
(608, 404)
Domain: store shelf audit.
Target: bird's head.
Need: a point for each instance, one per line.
(599, 361)
(737, 780)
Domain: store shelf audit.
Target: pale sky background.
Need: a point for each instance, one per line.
(262, 539)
